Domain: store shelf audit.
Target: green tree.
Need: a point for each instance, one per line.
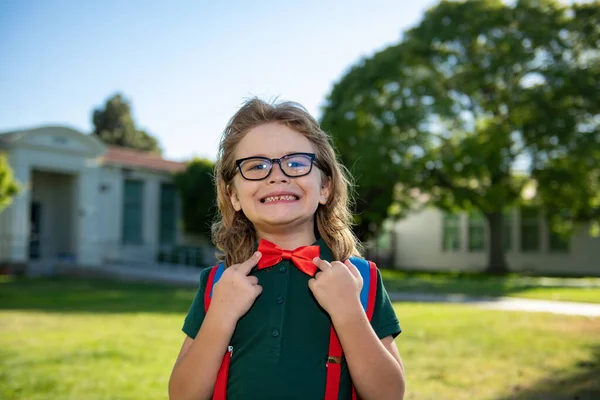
(114, 125)
(8, 186)
(198, 197)
(477, 101)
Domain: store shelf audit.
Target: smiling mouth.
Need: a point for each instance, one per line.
(272, 199)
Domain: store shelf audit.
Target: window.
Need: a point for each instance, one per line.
(167, 214)
(508, 230)
(476, 231)
(451, 239)
(133, 194)
(530, 229)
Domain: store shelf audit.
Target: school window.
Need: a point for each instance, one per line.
(508, 224)
(167, 214)
(451, 239)
(558, 243)
(476, 231)
(530, 229)
(133, 195)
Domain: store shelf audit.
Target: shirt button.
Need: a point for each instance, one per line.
(280, 300)
(275, 333)
(283, 269)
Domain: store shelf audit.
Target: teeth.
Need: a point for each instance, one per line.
(276, 198)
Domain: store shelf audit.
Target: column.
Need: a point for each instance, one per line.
(89, 251)
(18, 216)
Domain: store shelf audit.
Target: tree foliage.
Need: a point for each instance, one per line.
(114, 125)
(477, 101)
(198, 197)
(8, 185)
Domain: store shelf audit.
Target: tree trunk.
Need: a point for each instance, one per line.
(496, 258)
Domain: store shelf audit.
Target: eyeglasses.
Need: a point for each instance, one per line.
(292, 165)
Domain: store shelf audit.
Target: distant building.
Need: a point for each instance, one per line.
(85, 202)
(434, 240)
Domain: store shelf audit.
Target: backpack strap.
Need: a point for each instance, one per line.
(220, 390)
(213, 278)
(368, 294)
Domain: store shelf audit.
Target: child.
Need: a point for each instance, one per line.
(275, 314)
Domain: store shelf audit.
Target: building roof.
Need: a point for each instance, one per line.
(114, 155)
(140, 159)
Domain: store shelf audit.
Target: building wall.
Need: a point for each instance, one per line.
(419, 245)
(110, 223)
(83, 199)
(54, 150)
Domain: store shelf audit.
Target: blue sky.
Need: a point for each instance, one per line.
(186, 66)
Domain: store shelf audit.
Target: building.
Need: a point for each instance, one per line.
(84, 202)
(434, 240)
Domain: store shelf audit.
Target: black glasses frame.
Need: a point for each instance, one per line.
(273, 161)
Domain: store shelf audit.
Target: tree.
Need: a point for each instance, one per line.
(114, 125)
(8, 186)
(479, 100)
(198, 197)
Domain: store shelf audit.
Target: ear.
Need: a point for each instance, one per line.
(325, 190)
(233, 197)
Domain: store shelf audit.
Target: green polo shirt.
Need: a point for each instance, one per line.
(281, 345)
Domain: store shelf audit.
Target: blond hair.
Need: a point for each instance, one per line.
(233, 234)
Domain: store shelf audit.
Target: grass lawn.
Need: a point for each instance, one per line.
(84, 339)
(512, 285)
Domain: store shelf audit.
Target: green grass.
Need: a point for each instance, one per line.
(83, 339)
(512, 285)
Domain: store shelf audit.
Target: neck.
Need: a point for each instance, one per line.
(288, 240)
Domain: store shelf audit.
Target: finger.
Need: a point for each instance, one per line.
(337, 264)
(250, 263)
(253, 280)
(352, 268)
(321, 264)
(258, 289)
(317, 274)
(311, 283)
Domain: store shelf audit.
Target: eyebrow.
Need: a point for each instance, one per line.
(270, 158)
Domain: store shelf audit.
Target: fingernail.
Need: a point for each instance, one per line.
(316, 260)
(257, 254)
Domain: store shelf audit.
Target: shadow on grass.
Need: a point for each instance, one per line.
(582, 383)
(66, 295)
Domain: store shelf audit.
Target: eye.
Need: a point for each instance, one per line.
(258, 167)
(295, 164)
(255, 165)
(298, 161)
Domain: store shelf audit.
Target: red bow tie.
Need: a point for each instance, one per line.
(301, 257)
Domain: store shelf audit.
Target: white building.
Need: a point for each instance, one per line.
(434, 240)
(85, 202)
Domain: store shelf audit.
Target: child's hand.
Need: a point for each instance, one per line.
(337, 287)
(235, 292)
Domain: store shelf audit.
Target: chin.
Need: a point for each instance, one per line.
(286, 219)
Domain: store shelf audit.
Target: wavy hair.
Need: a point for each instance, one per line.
(232, 233)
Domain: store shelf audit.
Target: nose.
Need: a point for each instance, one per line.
(277, 174)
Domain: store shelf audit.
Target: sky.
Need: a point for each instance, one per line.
(185, 66)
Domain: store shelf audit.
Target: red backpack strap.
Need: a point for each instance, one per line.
(220, 390)
(368, 294)
(372, 294)
(334, 367)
